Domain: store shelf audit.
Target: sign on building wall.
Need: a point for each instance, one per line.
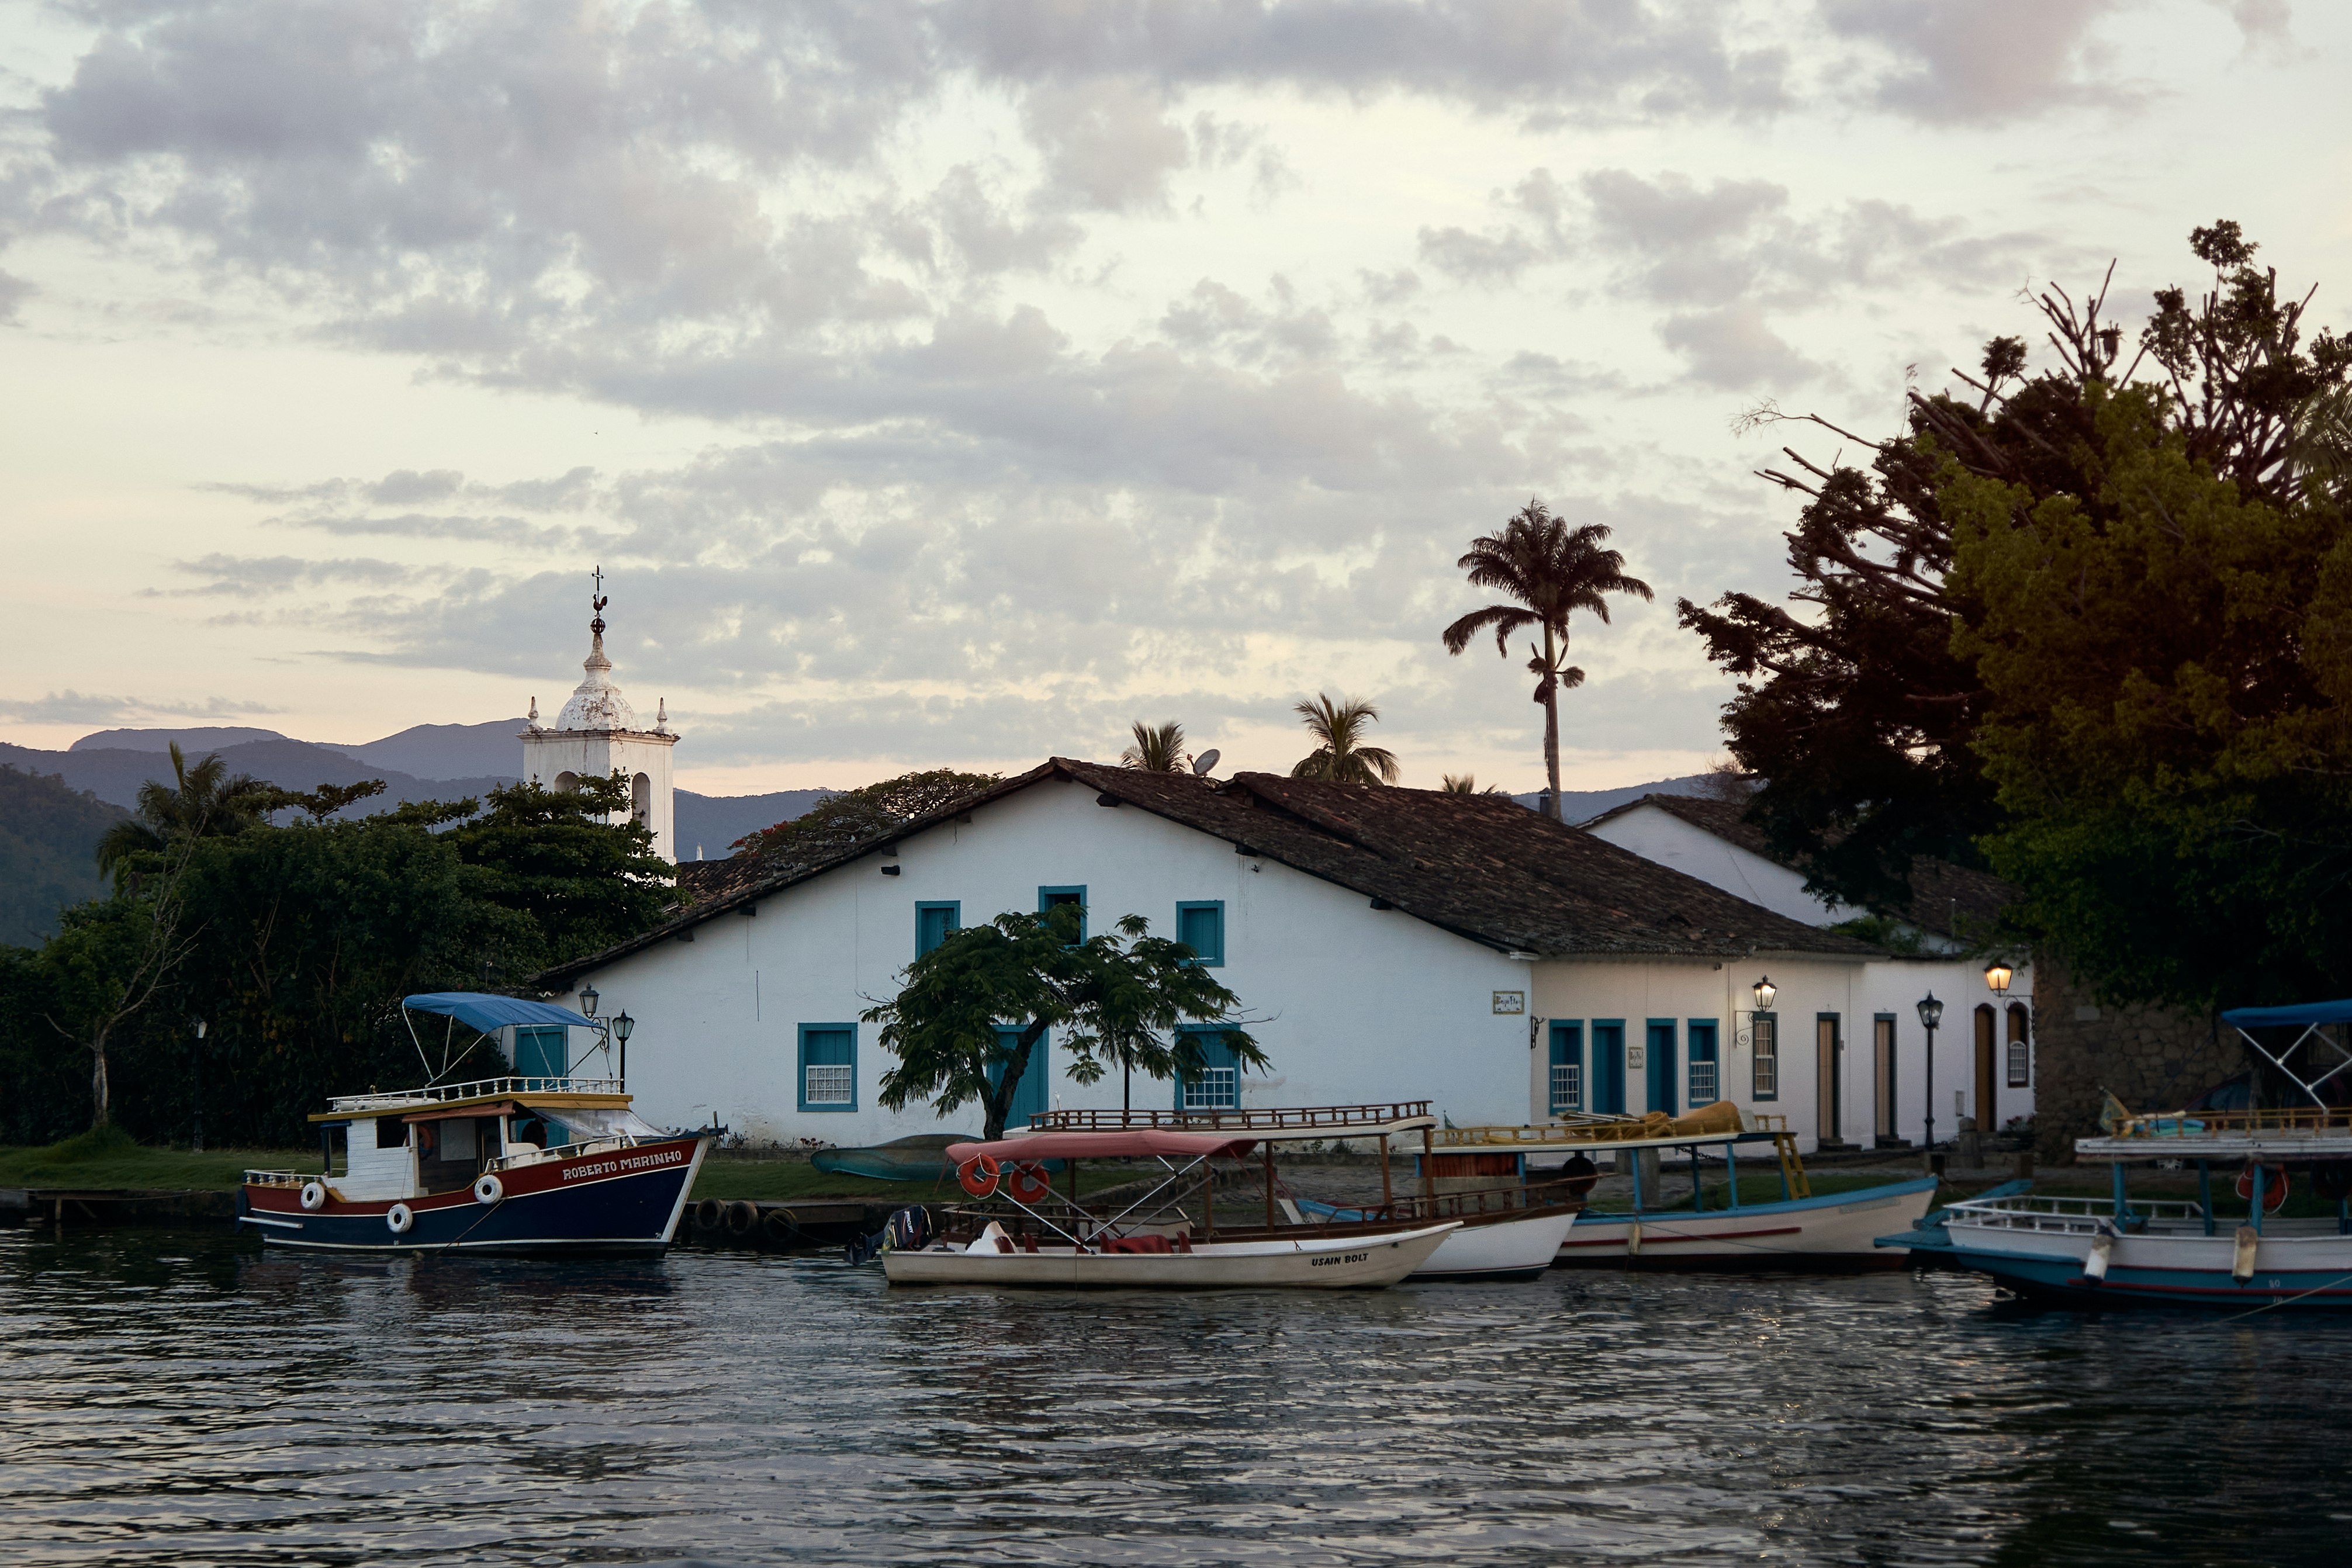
(1510, 1001)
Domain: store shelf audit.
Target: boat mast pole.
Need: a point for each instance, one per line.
(1428, 1181)
(1269, 1184)
(1388, 1198)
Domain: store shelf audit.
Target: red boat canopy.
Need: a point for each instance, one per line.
(1138, 1143)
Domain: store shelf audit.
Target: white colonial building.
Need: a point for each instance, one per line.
(596, 735)
(1875, 1085)
(1386, 945)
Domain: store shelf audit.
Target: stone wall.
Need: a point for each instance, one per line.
(2149, 1058)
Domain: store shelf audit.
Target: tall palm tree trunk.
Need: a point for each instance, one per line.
(1551, 727)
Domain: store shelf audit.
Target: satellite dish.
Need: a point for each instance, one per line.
(1206, 760)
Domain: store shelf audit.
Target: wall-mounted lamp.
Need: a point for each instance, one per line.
(588, 1001)
(1997, 974)
(1765, 991)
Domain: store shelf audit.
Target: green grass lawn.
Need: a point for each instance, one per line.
(110, 1159)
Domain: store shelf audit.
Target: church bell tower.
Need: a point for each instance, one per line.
(597, 732)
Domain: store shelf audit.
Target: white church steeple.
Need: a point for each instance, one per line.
(597, 732)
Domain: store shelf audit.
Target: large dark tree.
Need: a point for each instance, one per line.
(1855, 711)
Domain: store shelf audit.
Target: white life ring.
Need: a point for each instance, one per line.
(489, 1189)
(400, 1217)
(314, 1194)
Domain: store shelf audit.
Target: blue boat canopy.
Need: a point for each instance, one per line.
(490, 1013)
(2301, 1012)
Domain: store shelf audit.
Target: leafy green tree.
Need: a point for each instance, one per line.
(1158, 748)
(110, 960)
(1857, 712)
(576, 881)
(1552, 571)
(202, 802)
(840, 822)
(1117, 1000)
(2167, 663)
(1341, 756)
(48, 835)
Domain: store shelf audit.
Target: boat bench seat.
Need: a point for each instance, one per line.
(1140, 1244)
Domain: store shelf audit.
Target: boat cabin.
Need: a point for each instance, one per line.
(417, 1143)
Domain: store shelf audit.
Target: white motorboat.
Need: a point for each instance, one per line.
(1308, 1263)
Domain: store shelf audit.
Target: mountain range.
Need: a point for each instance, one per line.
(55, 804)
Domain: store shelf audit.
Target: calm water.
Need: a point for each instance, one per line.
(177, 1397)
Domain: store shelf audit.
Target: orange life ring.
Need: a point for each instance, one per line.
(2275, 1186)
(977, 1174)
(1029, 1182)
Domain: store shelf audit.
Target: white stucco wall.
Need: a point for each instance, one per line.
(1659, 835)
(1854, 995)
(1351, 1004)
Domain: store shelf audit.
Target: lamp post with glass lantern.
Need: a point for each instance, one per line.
(1997, 974)
(623, 1026)
(1931, 1013)
(200, 1086)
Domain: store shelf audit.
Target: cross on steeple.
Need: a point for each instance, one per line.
(596, 602)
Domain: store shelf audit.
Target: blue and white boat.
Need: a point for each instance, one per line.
(2121, 1250)
(1800, 1230)
(548, 1162)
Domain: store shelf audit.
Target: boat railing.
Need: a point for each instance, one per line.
(478, 1089)
(1309, 1118)
(279, 1179)
(1599, 1128)
(2079, 1215)
(2312, 1120)
(532, 1155)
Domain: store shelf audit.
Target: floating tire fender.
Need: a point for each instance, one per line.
(399, 1217)
(708, 1213)
(489, 1189)
(977, 1175)
(314, 1196)
(743, 1218)
(1029, 1183)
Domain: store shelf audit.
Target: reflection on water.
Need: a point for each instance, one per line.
(176, 1395)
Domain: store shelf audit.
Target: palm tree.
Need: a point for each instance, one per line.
(1467, 784)
(1342, 758)
(1553, 570)
(202, 802)
(1157, 749)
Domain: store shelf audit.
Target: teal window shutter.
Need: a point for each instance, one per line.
(1054, 897)
(1200, 926)
(539, 1052)
(933, 921)
(828, 1067)
(1031, 1096)
(1218, 1086)
(1567, 1088)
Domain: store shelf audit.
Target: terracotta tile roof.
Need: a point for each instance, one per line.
(1945, 897)
(1481, 866)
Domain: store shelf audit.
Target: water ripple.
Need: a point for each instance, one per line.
(178, 1397)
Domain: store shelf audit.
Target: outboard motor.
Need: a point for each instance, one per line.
(907, 1229)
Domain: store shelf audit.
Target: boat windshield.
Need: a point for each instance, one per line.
(552, 1129)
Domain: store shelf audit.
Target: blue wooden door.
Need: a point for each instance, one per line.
(1663, 1077)
(1609, 1068)
(1029, 1095)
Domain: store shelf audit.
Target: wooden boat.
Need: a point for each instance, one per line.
(2125, 1250)
(1126, 1251)
(517, 1164)
(1801, 1230)
(1508, 1231)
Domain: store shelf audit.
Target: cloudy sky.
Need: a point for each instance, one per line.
(954, 382)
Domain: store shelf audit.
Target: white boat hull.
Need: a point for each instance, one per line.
(1504, 1249)
(1837, 1230)
(1342, 1263)
(2171, 1266)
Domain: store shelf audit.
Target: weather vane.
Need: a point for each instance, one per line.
(596, 602)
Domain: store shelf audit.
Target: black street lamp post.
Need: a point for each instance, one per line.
(623, 1026)
(200, 1086)
(1931, 1013)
